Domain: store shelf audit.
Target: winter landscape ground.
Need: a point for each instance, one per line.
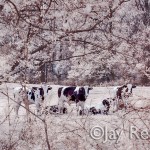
(70, 131)
(70, 43)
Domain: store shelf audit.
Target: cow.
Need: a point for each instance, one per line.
(100, 108)
(35, 95)
(117, 95)
(70, 94)
(121, 94)
(53, 110)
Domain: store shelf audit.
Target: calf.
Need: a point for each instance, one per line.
(103, 107)
(35, 95)
(117, 91)
(53, 110)
(122, 93)
(100, 108)
(73, 94)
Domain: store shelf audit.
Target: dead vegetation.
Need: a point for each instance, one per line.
(69, 131)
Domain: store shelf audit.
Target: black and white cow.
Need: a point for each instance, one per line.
(73, 94)
(35, 95)
(101, 108)
(121, 93)
(53, 110)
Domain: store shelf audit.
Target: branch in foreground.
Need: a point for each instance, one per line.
(43, 120)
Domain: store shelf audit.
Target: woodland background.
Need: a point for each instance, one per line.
(75, 42)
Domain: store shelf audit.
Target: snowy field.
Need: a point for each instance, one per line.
(70, 131)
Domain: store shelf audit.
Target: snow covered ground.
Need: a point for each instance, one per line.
(70, 131)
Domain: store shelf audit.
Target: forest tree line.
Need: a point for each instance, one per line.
(75, 42)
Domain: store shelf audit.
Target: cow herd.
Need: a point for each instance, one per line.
(72, 94)
(34, 95)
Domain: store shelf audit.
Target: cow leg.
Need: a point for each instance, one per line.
(27, 111)
(26, 102)
(38, 108)
(81, 104)
(60, 109)
(60, 105)
(125, 102)
(113, 104)
(117, 103)
(115, 108)
(17, 103)
(16, 107)
(77, 105)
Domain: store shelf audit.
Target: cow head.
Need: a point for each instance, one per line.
(40, 93)
(46, 89)
(81, 94)
(87, 89)
(110, 100)
(124, 86)
(106, 103)
(133, 86)
(93, 110)
(129, 88)
(49, 88)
